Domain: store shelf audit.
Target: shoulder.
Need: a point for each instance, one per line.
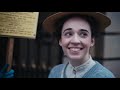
(56, 71)
(102, 71)
(58, 67)
(99, 71)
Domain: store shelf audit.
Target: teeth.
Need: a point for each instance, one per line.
(75, 49)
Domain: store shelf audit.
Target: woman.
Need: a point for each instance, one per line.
(76, 32)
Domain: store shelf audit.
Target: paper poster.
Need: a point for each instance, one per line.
(19, 24)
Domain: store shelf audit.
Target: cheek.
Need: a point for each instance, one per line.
(63, 42)
(88, 43)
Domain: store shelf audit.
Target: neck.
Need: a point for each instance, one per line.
(76, 63)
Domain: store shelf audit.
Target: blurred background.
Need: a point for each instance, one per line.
(35, 58)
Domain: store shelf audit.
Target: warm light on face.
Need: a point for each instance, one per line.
(76, 39)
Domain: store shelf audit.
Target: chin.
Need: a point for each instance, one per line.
(76, 58)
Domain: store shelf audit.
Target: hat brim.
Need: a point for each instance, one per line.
(50, 21)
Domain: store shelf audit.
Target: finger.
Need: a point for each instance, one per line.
(9, 76)
(11, 72)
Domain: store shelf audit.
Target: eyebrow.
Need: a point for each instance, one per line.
(84, 30)
(69, 29)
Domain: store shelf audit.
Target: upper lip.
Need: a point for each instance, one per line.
(75, 47)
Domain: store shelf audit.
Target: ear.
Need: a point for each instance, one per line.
(60, 42)
(92, 42)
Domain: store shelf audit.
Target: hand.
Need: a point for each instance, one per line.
(4, 74)
(9, 74)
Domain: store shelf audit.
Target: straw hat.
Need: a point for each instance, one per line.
(50, 21)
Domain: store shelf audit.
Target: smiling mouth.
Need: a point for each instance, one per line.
(75, 49)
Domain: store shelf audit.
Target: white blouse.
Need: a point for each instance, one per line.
(79, 71)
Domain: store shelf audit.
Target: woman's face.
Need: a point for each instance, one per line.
(76, 39)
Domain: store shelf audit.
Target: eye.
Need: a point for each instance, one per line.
(83, 34)
(68, 34)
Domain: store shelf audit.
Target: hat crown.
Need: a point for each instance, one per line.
(50, 21)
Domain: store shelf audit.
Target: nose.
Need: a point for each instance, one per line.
(75, 39)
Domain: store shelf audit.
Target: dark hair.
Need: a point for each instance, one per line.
(93, 24)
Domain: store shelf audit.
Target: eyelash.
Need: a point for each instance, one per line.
(82, 34)
(68, 34)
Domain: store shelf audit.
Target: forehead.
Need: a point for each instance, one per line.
(76, 23)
